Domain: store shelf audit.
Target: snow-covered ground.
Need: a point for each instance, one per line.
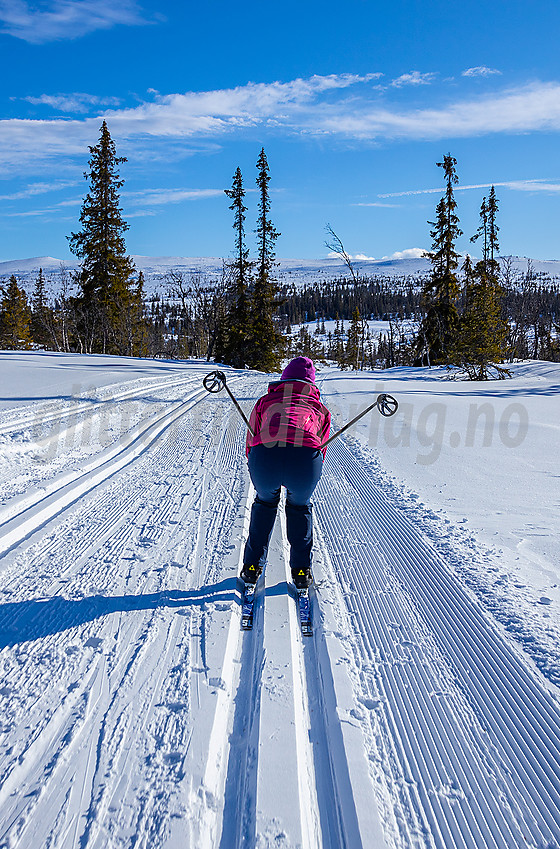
(424, 711)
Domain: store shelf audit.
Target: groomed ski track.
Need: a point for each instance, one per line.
(136, 713)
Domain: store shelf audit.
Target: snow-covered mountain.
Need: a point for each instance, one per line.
(298, 271)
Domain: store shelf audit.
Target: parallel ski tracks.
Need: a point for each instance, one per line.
(117, 538)
(66, 491)
(39, 415)
(460, 730)
(468, 730)
(305, 724)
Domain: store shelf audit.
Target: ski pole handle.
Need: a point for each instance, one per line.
(215, 381)
(386, 404)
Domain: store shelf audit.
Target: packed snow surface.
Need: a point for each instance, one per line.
(424, 712)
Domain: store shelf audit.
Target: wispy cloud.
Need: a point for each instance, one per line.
(537, 185)
(533, 186)
(34, 189)
(340, 106)
(480, 71)
(276, 107)
(383, 205)
(162, 197)
(414, 78)
(77, 102)
(65, 19)
(534, 107)
(212, 112)
(137, 204)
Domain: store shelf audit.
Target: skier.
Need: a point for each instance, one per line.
(289, 424)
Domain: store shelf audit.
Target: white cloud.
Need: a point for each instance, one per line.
(141, 213)
(137, 204)
(480, 71)
(533, 186)
(414, 78)
(334, 255)
(214, 112)
(78, 102)
(34, 189)
(408, 253)
(382, 205)
(516, 185)
(277, 106)
(534, 107)
(298, 106)
(319, 105)
(65, 18)
(161, 197)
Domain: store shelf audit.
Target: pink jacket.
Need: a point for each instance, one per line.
(291, 413)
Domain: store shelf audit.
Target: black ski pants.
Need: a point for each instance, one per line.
(298, 469)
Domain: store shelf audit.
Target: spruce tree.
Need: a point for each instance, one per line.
(106, 275)
(339, 343)
(41, 314)
(481, 340)
(266, 340)
(237, 344)
(439, 326)
(15, 317)
(353, 355)
(139, 333)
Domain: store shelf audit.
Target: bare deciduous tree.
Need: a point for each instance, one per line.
(334, 244)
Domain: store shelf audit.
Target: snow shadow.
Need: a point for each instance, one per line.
(24, 621)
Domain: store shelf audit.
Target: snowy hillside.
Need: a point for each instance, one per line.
(423, 713)
(298, 271)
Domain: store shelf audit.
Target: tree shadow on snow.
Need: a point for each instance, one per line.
(31, 620)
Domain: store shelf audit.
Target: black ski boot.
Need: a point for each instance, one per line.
(250, 574)
(302, 578)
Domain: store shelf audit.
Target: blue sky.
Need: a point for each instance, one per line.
(354, 104)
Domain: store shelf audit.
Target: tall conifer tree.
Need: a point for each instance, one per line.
(442, 290)
(481, 340)
(41, 314)
(237, 343)
(15, 317)
(106, 275)
(355, 343)
(266, 347)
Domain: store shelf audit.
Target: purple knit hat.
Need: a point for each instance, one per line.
(301, 368)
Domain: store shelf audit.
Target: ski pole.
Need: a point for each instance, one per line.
(386, 404)
(215, 382)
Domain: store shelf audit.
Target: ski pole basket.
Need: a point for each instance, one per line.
(386, 404)
(214, 382)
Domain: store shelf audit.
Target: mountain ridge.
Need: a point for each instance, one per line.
(294, 270)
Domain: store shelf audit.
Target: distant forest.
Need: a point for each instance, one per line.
(472, 315)
(374, 297)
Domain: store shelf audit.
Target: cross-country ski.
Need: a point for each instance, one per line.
(304, 609)
(248, 604)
